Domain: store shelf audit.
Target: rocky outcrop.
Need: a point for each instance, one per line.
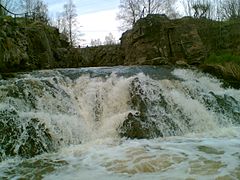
(34, 45)
(138, 124)
(141, 123)
(159, 40)
(154, 40)
(107, 55)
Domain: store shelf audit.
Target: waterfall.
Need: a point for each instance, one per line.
(42, 111)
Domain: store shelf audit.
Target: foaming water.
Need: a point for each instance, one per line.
(82, 124)
(168, 158)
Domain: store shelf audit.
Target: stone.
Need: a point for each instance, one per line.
(182, 63)
(156, 36)
(138, 125)
(23, 139)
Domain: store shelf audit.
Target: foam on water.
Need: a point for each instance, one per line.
(82, 111)
(170, 158)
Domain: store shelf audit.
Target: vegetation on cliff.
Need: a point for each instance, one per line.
(222, 40)
(28, 45)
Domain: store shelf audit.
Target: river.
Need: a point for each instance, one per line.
(137, 123)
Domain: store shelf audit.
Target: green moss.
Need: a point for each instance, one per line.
(222, 58)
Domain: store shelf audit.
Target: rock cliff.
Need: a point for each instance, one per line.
(159, 40)
(33, 45)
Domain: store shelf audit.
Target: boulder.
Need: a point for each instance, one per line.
(139, 125)
(136, 127)
(23, 139)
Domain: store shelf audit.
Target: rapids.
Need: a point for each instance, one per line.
(140, 122)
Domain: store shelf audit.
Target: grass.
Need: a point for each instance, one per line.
(222, 59)
(228, 64)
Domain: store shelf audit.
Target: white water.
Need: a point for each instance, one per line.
(83, 114)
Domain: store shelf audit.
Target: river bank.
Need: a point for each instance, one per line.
(211, 46)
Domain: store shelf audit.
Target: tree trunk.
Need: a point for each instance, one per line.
(149, 6)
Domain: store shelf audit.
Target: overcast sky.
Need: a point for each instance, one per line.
(97, 18)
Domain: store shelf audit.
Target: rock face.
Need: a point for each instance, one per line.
(107, 55)
(34, 45)
(158, 40)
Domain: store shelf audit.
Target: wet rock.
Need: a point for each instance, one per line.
(226, 105)
(38, 139)
(154, 115)
(139, 125)
(135, 126)
(181, 63)
(22, 137)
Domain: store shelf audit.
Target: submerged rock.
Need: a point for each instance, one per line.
(135, 126)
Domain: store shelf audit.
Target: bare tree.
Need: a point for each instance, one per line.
(209, 9)
(110, 39)
(231, 9)
(154, 6)
(96, 42)
(41, 11)
(132, 10)
(202, 9)
(68, 20)
(28, 5)
(36, 8)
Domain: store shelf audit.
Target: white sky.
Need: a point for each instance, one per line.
(96, 18)
(98, 25)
